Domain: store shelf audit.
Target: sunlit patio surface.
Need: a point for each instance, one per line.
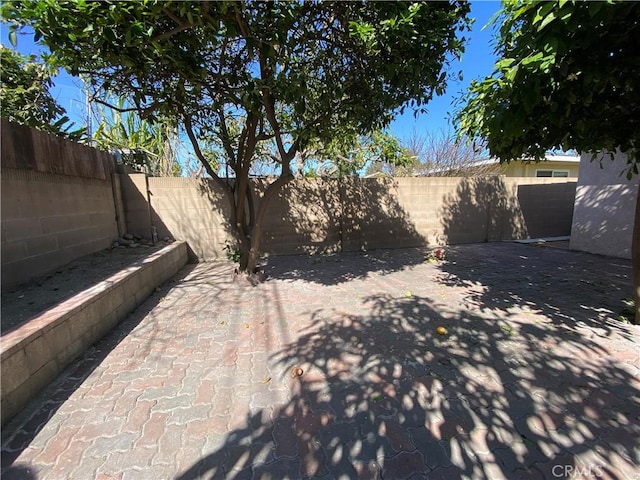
(335, 367)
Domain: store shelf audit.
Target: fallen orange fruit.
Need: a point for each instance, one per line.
(441, 330)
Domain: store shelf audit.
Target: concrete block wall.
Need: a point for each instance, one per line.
(134, 189)
(190, 209)
(49, 220)
(546, 205)
(304, 217)
(447, 210)
(57, 202)
(325, 215)
(119, 205)
(605, 205)
(429, 211)
(33, 354)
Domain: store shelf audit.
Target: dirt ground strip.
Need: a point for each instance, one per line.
(29, 299)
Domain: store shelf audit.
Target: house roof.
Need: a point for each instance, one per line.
(571, 158)
(547, 158)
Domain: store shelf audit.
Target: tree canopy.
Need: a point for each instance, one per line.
(25, 97)
(350, 156)
(290, 73)
(566, 79)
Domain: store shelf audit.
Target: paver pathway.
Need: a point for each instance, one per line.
(532, 380)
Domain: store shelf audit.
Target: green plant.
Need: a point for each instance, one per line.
(145, 145)
(25, 97)
(628, 313)
(232, 252)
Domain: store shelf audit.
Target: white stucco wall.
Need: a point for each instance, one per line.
(605, 205)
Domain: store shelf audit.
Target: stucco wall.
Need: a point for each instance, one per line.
(604, 207)
(519, 168)
(324, 215)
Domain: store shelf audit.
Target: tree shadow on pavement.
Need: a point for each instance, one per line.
(356, 217)
(572, 290)
(385, 396)
(335, 269)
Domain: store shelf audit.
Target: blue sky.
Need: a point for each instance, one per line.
(67, 89)
(476, 63)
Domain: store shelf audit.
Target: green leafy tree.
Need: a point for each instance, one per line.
(348, 156)
(150, 146)
(385, 154)
(567, 79)
(25, 96)
(289, 73)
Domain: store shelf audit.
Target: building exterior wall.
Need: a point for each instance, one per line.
(604, 208)
(518, 168)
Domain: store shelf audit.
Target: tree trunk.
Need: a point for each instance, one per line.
(256, 229)
(243, 227)
(249, 249)
(635, 258)
(253, 255)
(243, 263)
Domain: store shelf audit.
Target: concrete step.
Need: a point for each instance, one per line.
(33, 354)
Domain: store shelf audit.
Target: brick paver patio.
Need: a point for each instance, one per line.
(532, 380)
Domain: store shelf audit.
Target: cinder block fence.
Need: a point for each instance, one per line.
(351, 214)
(57, 202)
(61, 200)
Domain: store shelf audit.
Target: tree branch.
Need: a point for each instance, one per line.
(240, 20)
(144, 112)
(171, 33)
(267, 100)
(226, 138)
(179, 21)
(188, 126)
(117, 109)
